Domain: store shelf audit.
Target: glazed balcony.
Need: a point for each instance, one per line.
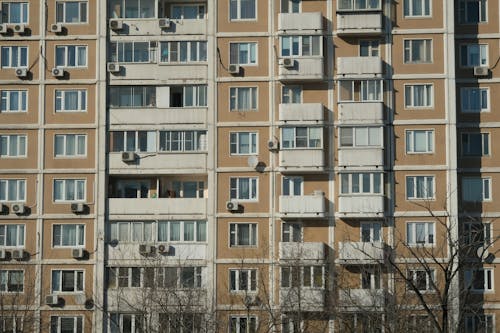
(158, 27)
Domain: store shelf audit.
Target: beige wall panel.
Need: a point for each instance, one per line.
(28, 162)
(34, 17)
(259, 24)
(490, 160)
(223, 102)
(30, 187)
(86, 316)
(88, 28)
(88, 72)
(51, 207)
(404, 158)
(439, 250)
(487, 206)
(349, 230)
(34, 60)
(50, 252)
(437, 64)
(311, 183)
(349, 277)
(29, 117)
(349, 46)
(262, 203)
(261, 68)
(52, 162)
(436, 20)
(241, 252)
(70, 298)
(53, 117)
(225, 296)
(436, 204)
(491, 26)
(225, 159)
(437, 111)
(467, 72)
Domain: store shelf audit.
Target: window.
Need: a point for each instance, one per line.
(12, 235)
(179, 277)
(472, 55)
(187, 189)
(182, 231)
(13, 190)
(132, 231)
(179, 141)
(242, 324)
(475, 189)
(242, 10)
(67, 281)
(421, 279)
(292, 186)
(290, 6)
(126, 322)
(132, 52)
(132, 8)
(417, 8)
(291, 94)
(301, 46)
(243, 99)
(13, 145)
(11, 324)
(243, 53)
(124, 277)
(184, 52)
(419, 141)
(181, 322)
(302, 276)
(369, 48)
(68, 235)
(291, 232)
(358, 4)
(71, 100)
(188, 12)
(479, 279)
(70, 145)
(371, 232)
(420, 233)
(362, 322)
(420, 323)
(243, 188)
(15, 12)
(360, 90)
(475, 99)
(14, 56)
(14, 101)
(418, 51)
(371, 278)
(475, 144)
(71, 11)
(361, 183)
(418, 96)
(480, 323)
(66, 324)
(243, 143)
(243, 279)
(132, 96)
(69, 189)
(473, 11)
(188, 96)
(477, 234)
(360, 136)
(419, 187)
(242, 234)
(139, 141)
(71, 56)
(11, 281)
(301, 137)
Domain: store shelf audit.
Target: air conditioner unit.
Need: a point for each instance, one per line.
(56, 27)
(51, 299)
(232, 205)
(18, 254)
(146, 249)
(4, 28)
(481, 71)
(164, 23)
(164, 248)
(113, 67)
(234, 69)
(18, 208)
(287, 62)
(115, 24)
(3, 254)
(77, 207)
(57, 72)
(21, 72)
(273, 145)
(19, 28)
(128, 156)
(77, 253)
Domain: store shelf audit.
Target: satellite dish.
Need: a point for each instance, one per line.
(253, 161)
(482, 252)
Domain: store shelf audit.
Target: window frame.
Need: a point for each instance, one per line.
(360, 91)
(299, 272)
(116, 325)
(474, 230)
(428, 96)
(291, 94)
(82, 12)
(488, 277)
(79, 229)
(165, 146)
(20, 189)
(79, 276)
(9, 272)
(237, 286)
(479, 323)
(239, 12)
(234, 99)
(465, 96)
(411, 141)
(60, 100)
(430, 279)
(486, 188)
(355, 133)
(466, 48)
(182, 231)
(66, 55)
(56, 323)
(301, 41)
(288, 186)
(253, 49)
(22, 98)
(466, 147)
(253, 143)
(64, 187)
(410, 6)
(292, 232)
(201, 9)
(19, 146)
(253, 185)
(251, 324)
(200, 55)
(415, 179)
(408, 46)
(24, 10)
(20, 240)
(372, 227)
(369, 44)
(351, 186)
(76, 144)
(482, 17)
(429, 234)
(18, 62)
(234, 232)
(119, 49)
(294, 138)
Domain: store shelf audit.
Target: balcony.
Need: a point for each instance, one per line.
(361, 252)
(353, 157)
(301, 160)
(359, 67)
(302, 69)
(303, 298)
(160, 72)
(355, 206)
(300, 21)
(151, 27)
(127, 299)
(181, 207)
(361, 113)
(302, 206)
(157, 116)
(302, 251)
(153, 162)
(181, 251)
(359, 23)
(362, 298)
(301, 113)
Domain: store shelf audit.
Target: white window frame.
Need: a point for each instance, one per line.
(142, 10)
(358, 132)
(429, 234)
(411, 141)
(83, 12)
(238, 274)
(136, 138)
(16, 323)
(356, 182)
(22, 101)
(467, 95)
(119, 49)
(239, 11)
(201, 12)
(66, 60)
(488, 276)
(252, 56)
(164, 278)
(64, 183)
(146, 230)
(77, 138)
(408, 51)
(371, 46)
(79, 235)
(196, 140)
(234, 100)
(306, 276)
(60, 100)
(353, 5)
(192, 51)
(235, 139)
(375, 231)
(480, 323)
(19, 61)
(409, 7)
(291, 94)
(482, 14)
(182, 227)
(427, 93)
(56, 323)
(119, 274)
(486, 184)
(78, 275)
(235, 188)
(290, 6)
(21, 146)
(20, 231)
(24, 8)
(124, 97)
(116, 325)
(425, 195)
(467, 61)
(244, 324)
(20, 195)
(289, 186)
(234, 234)
(468, 148)
(371, 278)
(361, 91)
(8, 273)
(290, 142)
(314, 43)
(430, 278)
(291, 232)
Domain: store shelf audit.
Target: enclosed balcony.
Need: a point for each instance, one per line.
(360, 112)
(158, 206)
(359, 67)
(301, 113)
(360, 205)
(127, 299)
(359, 24)
(151, 70)
(158, 116)
(361, 252)
(301, 160)
(179, 251)
(303, 206)
(302, 251)
(290, 22)
(301, 69)
(144, 162)
(365, 298)
(354, 157)
(302, 298)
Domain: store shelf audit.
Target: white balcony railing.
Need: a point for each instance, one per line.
(360, 205)
(361, 252)
(363, 298)
(303, 69)
(352, 157)
(157, 116)
(302, 251)
(158, 206)
(353, 67)
(153, 162)
(306, 160)
(301, 112)
(361, 112)
(305, 299)
(359, 23)
(160, 72)
(300, 21)
(302, 206)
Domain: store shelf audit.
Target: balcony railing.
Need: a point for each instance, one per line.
(361, 252)
(195, 207)
(364, 298)
(361, 112)
(302, 206)
(360, 205)
(353, 157)
(301, 160)
(156, 27)
(159, 116)
(305, 299)
(300, 21)
(195, 161)
(302, 69)
(359, 67)
(359, 23)
(179, 251)
(302, 251)
(301, 113)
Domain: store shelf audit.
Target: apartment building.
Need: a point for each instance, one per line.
(248, 165)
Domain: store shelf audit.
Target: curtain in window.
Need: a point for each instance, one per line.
(243, 234)
(201, 231)
(189, 231)
(56, 278)
(472, 189)
(175, 231)
(315, 137)
(244, 99)
(69, 235)
(244, 188)
(163, 231)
